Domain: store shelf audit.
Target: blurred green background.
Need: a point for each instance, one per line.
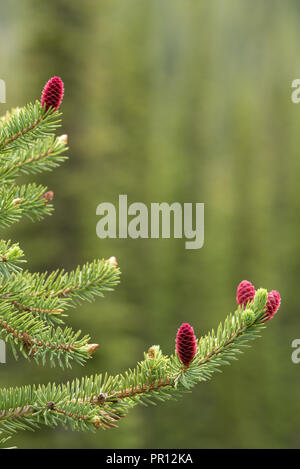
(169, 100)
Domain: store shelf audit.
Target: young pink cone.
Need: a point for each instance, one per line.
(52, 94)
(245, 293)
(186, 343)
(273, 304)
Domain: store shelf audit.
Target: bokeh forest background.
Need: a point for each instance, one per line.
(171, 100)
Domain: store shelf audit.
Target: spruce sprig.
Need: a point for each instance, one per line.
(23, 126)
(100, 401)
(26, 200)
(11, 256)
(42, 155)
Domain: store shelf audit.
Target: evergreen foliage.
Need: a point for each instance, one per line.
(33, 308)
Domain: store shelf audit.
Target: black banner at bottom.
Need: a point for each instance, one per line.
(140, 457)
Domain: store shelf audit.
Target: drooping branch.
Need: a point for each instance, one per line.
(101, 401)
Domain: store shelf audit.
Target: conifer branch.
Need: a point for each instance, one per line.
(36, 340)
(24, 125)
(43, 155)
(100, 401)
(49, 296)
(24, 200)
(33, 306)
(90, 281)
(11, 256)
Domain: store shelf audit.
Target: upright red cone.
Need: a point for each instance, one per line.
(273, 304)
(186, 343)
(52, 94)
(245, 293)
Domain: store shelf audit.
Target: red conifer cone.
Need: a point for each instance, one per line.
(245, 293)
(52, 94)
(186, 343)
(273, 303)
